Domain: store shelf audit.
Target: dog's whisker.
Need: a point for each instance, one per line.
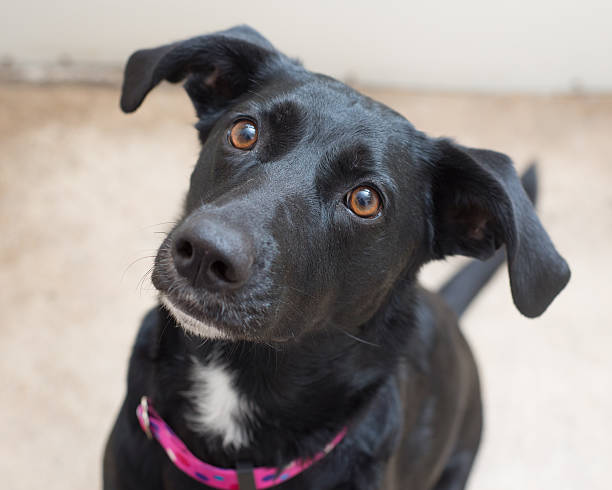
(163, 223)
(203, 342)
(144, 278)
(131, 264)
(354, 337)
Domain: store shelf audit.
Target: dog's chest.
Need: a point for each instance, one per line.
(217, 407)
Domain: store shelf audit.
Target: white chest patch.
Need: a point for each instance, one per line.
(218, 407)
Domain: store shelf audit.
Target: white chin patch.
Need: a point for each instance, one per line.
(190, 324)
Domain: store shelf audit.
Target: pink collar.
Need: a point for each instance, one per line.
(241, 479)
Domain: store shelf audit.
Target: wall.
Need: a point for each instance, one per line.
(475, 45)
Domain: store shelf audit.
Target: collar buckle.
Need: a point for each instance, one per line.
(146, 423)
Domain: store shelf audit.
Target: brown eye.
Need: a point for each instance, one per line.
(364, 202)
(243, 134)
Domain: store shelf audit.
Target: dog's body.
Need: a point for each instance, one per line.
(425, 409)
(310, 212)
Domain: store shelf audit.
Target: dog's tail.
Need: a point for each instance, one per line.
(462, 288)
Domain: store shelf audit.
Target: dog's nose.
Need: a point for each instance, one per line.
(212, 254)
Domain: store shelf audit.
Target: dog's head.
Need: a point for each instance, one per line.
(310, 202)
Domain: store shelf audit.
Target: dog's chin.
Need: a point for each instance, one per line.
(206, 330)
(190, 324)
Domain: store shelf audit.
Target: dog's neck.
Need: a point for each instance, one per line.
(271, 405)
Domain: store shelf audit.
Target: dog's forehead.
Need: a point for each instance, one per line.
(325, 125)
(327, 105)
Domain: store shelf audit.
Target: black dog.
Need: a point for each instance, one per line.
(293, 276)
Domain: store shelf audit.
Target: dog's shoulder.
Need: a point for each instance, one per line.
(439, 352)
(437, 320)
(436, 384)
(434, 326)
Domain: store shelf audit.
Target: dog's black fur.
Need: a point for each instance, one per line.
(324, 321)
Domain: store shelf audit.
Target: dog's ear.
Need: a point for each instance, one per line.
(479, 204)
(219, 67)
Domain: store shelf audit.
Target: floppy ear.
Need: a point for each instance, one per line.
(219, 67)
(479, 204)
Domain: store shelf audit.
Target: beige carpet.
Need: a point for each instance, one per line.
(85, 192)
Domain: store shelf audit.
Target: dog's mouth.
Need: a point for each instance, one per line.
(191, 323)
(207, 319)
(206, 329)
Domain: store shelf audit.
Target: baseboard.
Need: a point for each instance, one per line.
(92, 73)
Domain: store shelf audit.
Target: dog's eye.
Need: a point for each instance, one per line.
(243, 134)
(364, 201)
